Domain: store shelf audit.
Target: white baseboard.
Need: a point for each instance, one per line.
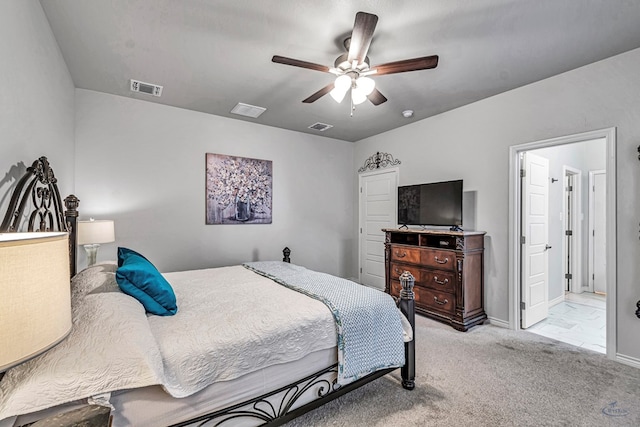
(498, 322)
(556, 301)
(628, 360)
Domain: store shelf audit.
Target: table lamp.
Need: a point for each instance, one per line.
(93, 232)
(35, 308)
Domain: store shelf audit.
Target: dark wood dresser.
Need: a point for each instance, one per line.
(448, 267)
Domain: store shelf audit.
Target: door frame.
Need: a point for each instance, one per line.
(609, 134)
(576, 249)
(590, 282)
(395, 170)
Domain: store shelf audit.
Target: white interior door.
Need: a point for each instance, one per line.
(598, 234)
(535, 231)
(378, 210)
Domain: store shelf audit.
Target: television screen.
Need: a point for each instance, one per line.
(438, 203)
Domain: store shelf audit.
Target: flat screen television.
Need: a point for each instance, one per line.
(436, 204)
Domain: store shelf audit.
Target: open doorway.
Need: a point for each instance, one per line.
(557, 251)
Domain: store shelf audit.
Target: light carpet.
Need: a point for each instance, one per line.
(491, 376)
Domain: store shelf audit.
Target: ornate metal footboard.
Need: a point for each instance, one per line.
(282, 405)
(286, 403)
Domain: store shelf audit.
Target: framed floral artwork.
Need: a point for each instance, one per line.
(238, 190)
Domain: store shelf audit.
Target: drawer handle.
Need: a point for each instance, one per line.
(401, 255)
(440, 282)
(442, 261)
(440, 302)
(397, 270)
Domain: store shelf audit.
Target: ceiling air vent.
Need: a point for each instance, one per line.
(247, 110)
(321, 127)
(148, 88)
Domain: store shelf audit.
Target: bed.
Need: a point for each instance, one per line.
(253, 344)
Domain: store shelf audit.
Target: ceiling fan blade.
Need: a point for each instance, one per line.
(319, 94)
(299, 63)
(361, 36)
(415, 64)
(376, 97)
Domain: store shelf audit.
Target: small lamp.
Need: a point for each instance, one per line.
(93, 232)
(35, 308)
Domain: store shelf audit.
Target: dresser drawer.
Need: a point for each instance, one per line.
(405, 254)
(433, 300)
(395, 288)
(418, 293)
(440, 281)
(397, 269)
(430, 299)
(443, 260)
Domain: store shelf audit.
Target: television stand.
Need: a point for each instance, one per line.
(448, 267)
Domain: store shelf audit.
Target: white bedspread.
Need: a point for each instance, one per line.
(230, 321)
(243, 323)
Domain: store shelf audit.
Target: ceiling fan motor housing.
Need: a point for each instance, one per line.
(342, 63)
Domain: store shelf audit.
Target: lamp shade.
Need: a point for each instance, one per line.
(95, 232)
(35, 308)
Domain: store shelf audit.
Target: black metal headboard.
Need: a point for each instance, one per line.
(39, 185)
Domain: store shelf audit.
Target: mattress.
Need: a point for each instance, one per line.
(153, 407)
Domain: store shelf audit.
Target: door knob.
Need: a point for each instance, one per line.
(547, 247)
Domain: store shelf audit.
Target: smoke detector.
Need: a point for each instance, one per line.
(321, 127)
(148, 88)
(407, 114)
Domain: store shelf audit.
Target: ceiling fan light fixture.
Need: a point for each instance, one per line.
(358, 96)
(366, 85)
(338, 94)
(343, 83)
(341, 87)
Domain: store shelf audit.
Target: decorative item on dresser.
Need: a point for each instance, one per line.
(448, 267)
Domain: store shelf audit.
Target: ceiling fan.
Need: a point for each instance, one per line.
(353, 67)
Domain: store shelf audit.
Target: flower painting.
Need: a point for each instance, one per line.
(238, 190)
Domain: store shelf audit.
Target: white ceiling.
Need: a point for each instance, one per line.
(211, 54)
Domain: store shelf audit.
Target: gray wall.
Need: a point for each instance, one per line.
(473, 143)
(143, 165)
(584, 156)
(36, 98)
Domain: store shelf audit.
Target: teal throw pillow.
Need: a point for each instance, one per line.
(136, 276)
